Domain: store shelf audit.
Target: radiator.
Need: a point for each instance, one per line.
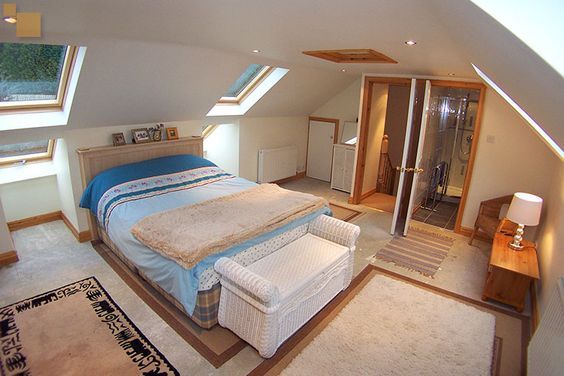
(545, 356)
(276, 164)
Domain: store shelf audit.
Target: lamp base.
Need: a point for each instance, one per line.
(515, 246)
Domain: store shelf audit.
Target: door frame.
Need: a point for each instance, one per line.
(364, 126)
(477, 126)
(335, 136)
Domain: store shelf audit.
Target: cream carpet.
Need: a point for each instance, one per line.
(393, 328)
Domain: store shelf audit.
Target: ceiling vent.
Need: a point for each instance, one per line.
(363, 55)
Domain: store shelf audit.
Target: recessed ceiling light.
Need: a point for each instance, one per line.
(256, 51)
(343, 70)
(11, 20)
(410, 42)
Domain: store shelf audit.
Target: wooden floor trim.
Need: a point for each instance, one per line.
(7, 258)
(82, 236)
(299, 175)
(33, 221)
(19, 224)
(369, 193)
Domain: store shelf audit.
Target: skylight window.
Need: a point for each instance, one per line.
(246, 82)
(26, 151)
(537, 128)
(33, 75)
(247, 90)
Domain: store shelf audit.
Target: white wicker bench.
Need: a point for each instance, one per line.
(269, 300)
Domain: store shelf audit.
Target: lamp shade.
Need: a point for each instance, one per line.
(525, 209)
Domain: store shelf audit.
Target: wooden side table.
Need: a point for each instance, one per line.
(510, 272)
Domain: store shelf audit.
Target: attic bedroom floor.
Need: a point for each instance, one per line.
(50, 257)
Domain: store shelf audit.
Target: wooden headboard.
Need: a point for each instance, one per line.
(97, 159)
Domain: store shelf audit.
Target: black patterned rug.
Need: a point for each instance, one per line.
(75, 329)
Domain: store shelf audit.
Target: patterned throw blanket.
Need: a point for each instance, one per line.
(190, 233)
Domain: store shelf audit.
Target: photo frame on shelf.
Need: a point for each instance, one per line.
(140, 135)
(118, 139)
(172, 133)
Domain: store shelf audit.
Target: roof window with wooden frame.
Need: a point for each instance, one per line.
(247, 90)
(26, 152)
(246, 83)
(34, 76)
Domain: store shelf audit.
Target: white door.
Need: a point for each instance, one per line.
(404, 157)
(415, 190)
(320, 149)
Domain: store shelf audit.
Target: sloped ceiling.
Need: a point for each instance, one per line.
(170, 60)
(530, 81)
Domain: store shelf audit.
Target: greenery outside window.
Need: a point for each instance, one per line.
(26, 151)
(245, 84)
(34, 76)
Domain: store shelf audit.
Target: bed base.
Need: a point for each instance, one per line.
(207, 302)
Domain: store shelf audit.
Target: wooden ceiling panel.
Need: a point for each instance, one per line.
(362, 55)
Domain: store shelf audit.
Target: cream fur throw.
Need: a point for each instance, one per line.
(190, 233)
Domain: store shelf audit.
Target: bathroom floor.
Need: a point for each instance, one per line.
(444, 215)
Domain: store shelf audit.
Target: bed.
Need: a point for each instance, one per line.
(194, 290)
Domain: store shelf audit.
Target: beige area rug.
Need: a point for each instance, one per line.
(76, 329)
(422, 251)
(506, 353)
(217, 344)
(393, 328)
(343, 213)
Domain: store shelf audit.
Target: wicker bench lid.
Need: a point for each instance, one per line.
(297, 263)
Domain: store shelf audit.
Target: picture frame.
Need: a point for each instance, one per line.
(140, 135)
(172, 133)
(118, 139)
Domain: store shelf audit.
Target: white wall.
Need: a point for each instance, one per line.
(28, 198)
(375, 133)
(551, 237)
(264, 133)
(6, 243)
(343, 106)
(510, 158)
(222, 147)
(64, 182)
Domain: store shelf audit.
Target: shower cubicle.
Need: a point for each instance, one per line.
(452, 116)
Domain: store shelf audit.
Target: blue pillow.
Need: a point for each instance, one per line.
(138, 170)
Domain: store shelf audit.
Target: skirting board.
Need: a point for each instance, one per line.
(369, 193)
(82, 237)
(7, 258)
(299, 175)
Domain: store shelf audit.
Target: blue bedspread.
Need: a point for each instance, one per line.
(121, 208)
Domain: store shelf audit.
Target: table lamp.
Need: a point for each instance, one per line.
(525, 209)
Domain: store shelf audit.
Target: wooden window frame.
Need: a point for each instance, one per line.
(251, 86)
(48, 155)
(55, 104)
